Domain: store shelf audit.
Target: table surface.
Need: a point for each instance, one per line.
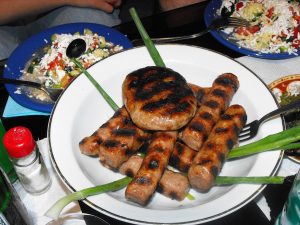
(176, 22)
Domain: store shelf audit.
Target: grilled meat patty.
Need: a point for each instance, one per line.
(158, 99)
(209, 160)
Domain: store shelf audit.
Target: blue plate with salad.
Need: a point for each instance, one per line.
(274, 31)
(42, 58)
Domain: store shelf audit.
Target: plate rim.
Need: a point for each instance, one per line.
(206, 219)
(38, 41)
(210, 10)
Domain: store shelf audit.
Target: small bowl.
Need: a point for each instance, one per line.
(281, 86)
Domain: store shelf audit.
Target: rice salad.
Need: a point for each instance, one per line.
(274, 24)
(56, 70)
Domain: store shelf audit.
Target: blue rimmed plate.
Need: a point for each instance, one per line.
(210, 14)
(23, 53)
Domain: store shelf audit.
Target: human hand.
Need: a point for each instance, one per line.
(105, 5)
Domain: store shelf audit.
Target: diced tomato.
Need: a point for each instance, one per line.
(296, 43)
(242, 31)
(297, 18)
(270, 12)
(57, 62)
(245, 31)
(296, 32)
(239, 5)
(253, 29)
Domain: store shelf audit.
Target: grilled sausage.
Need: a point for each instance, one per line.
(172, 184)
(209, 160)
(199, 92)
(214, 104)
(123, 142)
(90, 145)
(131, 166)
(158, 99)
(182, 157)
(143, 185)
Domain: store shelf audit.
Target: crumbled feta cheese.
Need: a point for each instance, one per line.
(54, 66)
(293, 88)
(277, 23)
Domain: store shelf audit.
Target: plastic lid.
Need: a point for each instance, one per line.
(18, 142)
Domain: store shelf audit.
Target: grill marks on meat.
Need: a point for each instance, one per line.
(158, 98)
(213, 105)
(143, 185)
(199, 92)
(123, 143)
(182, 157)
(209, 160)
(90, 145)
(173, 185)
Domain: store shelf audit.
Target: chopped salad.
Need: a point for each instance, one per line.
(275, 24)
(56, 70)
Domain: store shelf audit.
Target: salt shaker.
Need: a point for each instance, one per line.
(27, 160)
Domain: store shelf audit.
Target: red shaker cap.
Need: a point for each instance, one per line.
(18, 142)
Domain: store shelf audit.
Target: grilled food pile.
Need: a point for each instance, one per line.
(174, 123)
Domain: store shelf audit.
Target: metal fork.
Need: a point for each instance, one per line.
(215, 25)
(250, 130)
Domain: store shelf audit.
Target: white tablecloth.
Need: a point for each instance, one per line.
(268, 70)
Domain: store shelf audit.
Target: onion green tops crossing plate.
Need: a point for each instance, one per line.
(73, 120)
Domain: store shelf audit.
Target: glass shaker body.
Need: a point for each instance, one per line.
(12, 210)
(32, 172)
(27, 160)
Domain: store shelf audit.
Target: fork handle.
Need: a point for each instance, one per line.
(283, 109)
(137, 42)
(20, 82)
(180, 38)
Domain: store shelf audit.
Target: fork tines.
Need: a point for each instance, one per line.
(249, 131)
(238, 21)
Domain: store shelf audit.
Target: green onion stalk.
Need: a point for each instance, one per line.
(282, 140)
(56, 209)
(286, 138)
(109, 100)
(147, 40)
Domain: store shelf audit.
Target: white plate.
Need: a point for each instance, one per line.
(81, 110)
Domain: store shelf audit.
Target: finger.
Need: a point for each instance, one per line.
(107, 7)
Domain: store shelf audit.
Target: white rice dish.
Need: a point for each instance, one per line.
(55, 69)
(274, 24)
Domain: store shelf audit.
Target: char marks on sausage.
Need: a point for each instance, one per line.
(213, 105)
(90, 145)
(182, 157)
(172, 184)
(123, 143)
(143, 185)
(209, 160)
